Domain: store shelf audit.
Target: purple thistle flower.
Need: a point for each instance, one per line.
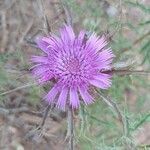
(76, 63)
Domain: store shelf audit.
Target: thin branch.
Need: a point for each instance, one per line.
(134, 43)
(114, 106)
(55, 18)
(6, 111)
(127, 72)
(70, 132)
(67, 13)
(28, 28)
(38, 132)
(119, 25)
(5, 32)
(49, 107)
(46, 23)
(18, 88)
(31, 42)
(137, 41)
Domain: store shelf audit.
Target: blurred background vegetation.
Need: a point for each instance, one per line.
(98, 127)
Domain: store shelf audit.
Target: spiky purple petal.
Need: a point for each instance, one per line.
(75, 63)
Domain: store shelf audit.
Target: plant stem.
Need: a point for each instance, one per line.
(70, 128)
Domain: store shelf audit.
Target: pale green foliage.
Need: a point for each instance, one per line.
(99, 127)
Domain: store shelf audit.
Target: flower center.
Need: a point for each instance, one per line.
(73, 65)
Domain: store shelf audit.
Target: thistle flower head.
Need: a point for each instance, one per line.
(76, 63)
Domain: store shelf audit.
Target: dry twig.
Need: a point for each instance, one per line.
(127, 72)
(5, 32)
(46, 23)
(18, 88)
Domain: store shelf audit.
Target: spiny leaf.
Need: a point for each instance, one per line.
(141, 6)
(146, 51)
(145, 23)
(141, 121)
